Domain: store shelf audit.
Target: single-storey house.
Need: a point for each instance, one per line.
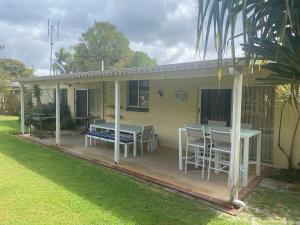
(168, 97)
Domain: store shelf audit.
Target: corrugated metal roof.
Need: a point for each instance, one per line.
(189, 66)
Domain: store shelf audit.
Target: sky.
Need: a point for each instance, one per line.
(164, 29)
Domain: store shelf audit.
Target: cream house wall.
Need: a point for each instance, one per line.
(288, 124)
(165, 113)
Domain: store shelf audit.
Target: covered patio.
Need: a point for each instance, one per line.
(163, 166)
(160, 167)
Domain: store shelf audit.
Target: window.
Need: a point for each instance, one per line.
(138, 95)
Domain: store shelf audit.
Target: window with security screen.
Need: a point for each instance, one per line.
(138, 95)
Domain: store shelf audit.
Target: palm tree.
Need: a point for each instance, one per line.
(61, 58)
(270, 32)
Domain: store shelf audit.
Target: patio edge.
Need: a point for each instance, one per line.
(217, 204)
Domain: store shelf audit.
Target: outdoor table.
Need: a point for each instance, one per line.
(124, 128)
(245, 134)
(40, 121)
(86, 120)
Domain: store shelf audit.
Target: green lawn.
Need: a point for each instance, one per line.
(41, 186)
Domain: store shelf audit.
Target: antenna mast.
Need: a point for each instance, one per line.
(53, 31)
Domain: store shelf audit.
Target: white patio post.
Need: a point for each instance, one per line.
(117, 122)
(235, 135)
(57, 116)
(22, 109)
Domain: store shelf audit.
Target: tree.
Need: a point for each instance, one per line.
(4, 77)
(270, 31)
(11, 69)
(14, 68)
(102, 42)
(139, 58)
(61, 60)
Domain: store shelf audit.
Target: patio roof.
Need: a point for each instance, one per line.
(180, 70)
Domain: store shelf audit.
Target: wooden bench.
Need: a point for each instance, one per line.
(108, 137)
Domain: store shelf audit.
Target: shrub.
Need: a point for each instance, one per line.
(12, 106)
(67, 122)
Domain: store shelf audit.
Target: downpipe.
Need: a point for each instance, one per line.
(239, 204)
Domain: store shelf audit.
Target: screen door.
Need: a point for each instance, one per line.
(81, 103)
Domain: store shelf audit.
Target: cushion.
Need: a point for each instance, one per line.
(109, 136)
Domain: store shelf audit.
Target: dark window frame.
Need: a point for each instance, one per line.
(137, 107)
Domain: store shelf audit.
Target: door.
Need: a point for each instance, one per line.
(81, 101)
(215, 105)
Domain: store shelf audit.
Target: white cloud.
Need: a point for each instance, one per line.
(165, 29)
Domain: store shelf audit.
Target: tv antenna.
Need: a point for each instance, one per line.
(53, 32)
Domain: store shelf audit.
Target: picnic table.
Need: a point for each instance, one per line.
(87, 121)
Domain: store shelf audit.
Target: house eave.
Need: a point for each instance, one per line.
(207, 68)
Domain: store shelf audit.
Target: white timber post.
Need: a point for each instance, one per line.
(22, 109)
(117, 122)
(57, 116)
(235, 136)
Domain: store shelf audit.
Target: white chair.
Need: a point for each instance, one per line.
(217, 123)
(195, 138)
(145, 137)
(220, 150)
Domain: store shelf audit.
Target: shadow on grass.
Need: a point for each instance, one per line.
(130, 200)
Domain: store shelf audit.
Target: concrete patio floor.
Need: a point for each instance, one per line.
(160, 166)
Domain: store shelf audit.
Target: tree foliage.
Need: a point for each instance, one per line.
(139, 59)
(14, 69)
(251, 19)
(61, 61)
(11, 69)
(100, 42)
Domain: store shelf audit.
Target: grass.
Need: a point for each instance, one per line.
(41, 186)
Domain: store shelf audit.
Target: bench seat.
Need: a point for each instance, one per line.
(109, 137)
